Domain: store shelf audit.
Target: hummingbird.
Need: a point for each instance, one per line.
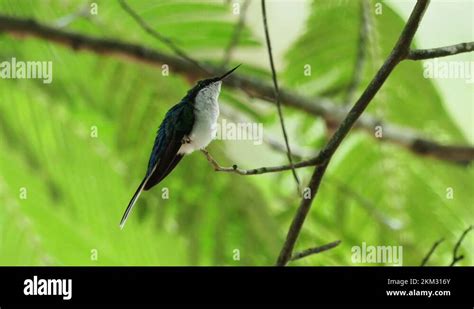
(187, 126)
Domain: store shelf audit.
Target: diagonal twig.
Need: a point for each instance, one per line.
(82, 11)
(315, 250)
(277, 95)
(456, 256)
(165, 40)
(428, 255)
(399, 52)
(361, 52)
(369, 206)
(236, 34)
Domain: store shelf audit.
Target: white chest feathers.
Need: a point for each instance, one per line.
(206, 112)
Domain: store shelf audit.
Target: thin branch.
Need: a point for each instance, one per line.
(456, 256)
(365, 203)
(311, 251)
(277, 96)
(433, 248)
(82, 11)
(298, 220)
(236, 34)
(398, 53)
(257, 171)
(422, 54)
(163, 39)
(331, 112)
(276, 145)
(361, 52)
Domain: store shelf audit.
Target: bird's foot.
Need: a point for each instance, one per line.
(210, 159)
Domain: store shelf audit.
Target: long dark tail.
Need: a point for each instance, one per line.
(132, 202)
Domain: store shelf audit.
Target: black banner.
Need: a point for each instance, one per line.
(62, 286)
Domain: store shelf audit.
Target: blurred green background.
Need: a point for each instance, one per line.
(77, 183)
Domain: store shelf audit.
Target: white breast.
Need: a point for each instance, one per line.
(206, 112)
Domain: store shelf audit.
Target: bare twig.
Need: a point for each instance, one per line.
(361, 52)
(257, 171)
(433, 248)
(21, 27)
(234, 41)
(315, 250)
(277, 96)
(422, 54)
(456, 256)
(398, 53)
(365, 203)
(82, 11)
(300, 216)
(163, 39)
(275, 144)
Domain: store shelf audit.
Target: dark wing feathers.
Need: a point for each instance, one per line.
(178, 122)
(164, 164)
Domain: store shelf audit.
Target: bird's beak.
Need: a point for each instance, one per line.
(228, 73)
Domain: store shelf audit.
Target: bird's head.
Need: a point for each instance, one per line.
(209, 89)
